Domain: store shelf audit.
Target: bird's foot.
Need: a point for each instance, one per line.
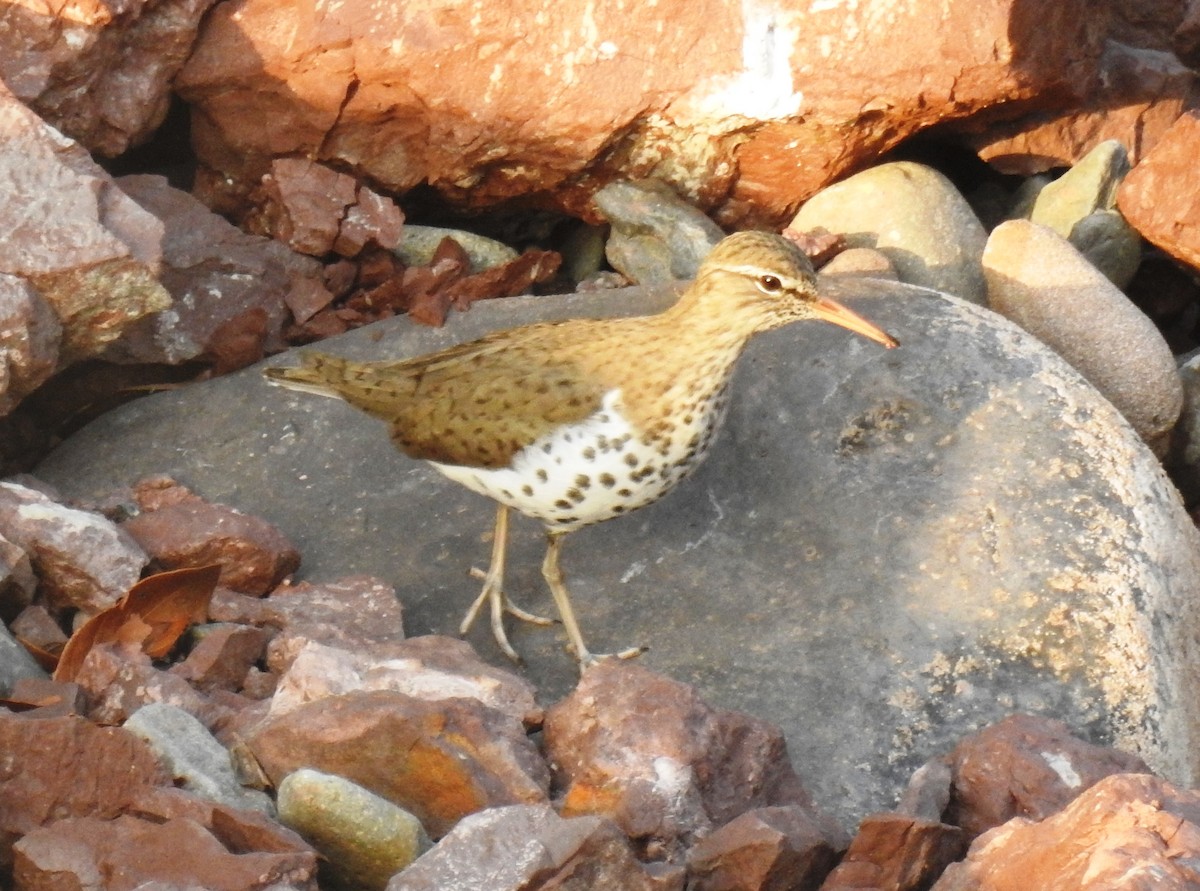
(588, 659)
(505, 603)
(499, 604)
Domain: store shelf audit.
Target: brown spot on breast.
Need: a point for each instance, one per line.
(624, 493)
(589, 453)
(541, 475)
(575, 495)
(583, 481)
(607, 480)
(563, 503)
(631, 459)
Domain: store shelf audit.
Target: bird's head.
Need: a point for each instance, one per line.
(765, 278)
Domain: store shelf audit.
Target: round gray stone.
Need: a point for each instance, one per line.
(887, 549)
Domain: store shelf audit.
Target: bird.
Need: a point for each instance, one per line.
(580, 421)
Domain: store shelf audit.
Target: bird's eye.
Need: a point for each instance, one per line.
(769, 284)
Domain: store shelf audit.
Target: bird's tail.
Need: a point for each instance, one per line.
(358, 383)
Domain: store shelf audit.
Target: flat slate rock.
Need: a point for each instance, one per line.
(886, 550)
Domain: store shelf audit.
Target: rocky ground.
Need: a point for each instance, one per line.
(925, 618)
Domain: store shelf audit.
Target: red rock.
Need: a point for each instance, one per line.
(253, 554)
(430, 667)
(100, 75)
(648, 753)
(766, 849)
(1025, 767)
(895, 852)
(358, 614)
(1152, 201)
(53, 699)
(81, 559)
(215, 273)
(235, 828)
(29, 339)
(17, 587)
(316, 210)
(223, 657)
(1135, 100)
(88, 251)
(119, 682)
(440, 761)
(530, 847)
(68, 767)
(125, 853)
(769, 112)
(1132, 832)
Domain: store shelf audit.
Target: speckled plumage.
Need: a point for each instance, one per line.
(580, 421)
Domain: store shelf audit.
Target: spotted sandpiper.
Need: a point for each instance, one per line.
(580, 421)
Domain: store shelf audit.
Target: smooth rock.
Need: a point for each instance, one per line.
(884, 551)
(530, 846)
(1110, 244)
(656, 237)
(1132, 832)
(913, 215)
(1152, 199)
(1037, 279)
(364, 839)
(81, 559)
(861, 262)
(1090, 185)
(195, 759)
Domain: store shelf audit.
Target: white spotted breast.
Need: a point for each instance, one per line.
(596, 469)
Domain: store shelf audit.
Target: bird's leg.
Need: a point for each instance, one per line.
(493, 591)
(562, 599)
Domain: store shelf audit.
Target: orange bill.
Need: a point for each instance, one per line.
(832, 311)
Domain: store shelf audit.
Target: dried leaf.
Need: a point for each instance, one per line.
(152, 615)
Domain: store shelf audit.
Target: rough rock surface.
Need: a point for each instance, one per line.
(670, 780)
(752, 125)
(69, 768)
(913, 215)
(965, 505)
(530, 846)
(29, 337)
(214, 273)
(82, 560)
(765, 849)
(896, 852)
(1151, 199)
(441, 761)
(1025, 767)
(1037, 279)
(1136, 95)
(98, 72)
(1131, 832)
(88, 250)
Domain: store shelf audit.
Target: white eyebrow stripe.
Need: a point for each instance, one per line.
(756, 271)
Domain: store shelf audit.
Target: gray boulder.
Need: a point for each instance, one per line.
(887, 549)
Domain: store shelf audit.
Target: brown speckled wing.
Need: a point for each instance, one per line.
(477, 404)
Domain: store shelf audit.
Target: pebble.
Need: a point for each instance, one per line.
(657, 237)
(1037, 279)
(365, 839)
(915, 216)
